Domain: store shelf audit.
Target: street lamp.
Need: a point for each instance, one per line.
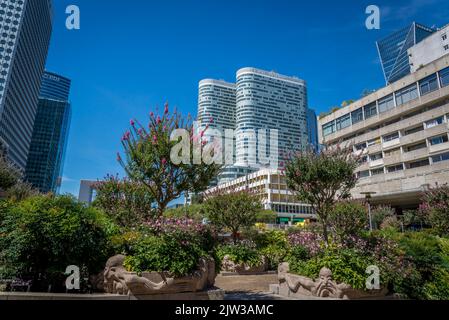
(368, 195)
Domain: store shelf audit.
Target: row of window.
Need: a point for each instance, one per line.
(425, 86)
(403, 166)
(396, 135)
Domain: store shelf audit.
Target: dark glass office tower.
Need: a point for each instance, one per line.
(46, 157)
(393, 50)
(312, 129)
(25, 30)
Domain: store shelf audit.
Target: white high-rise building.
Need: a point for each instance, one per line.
(269, 101)
(216, 100)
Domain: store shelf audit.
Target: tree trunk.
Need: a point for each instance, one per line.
(325, 233)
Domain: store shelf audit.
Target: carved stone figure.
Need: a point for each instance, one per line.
(119, 281)
(324, 287)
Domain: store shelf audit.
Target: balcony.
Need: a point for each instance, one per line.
(439, 147)
(376, 163)
(391, 144)
(415, 155)
(393, 159)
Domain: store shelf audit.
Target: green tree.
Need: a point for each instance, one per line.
(127, 202)
(9, 174)
(348, 219)
(194, 211)
(232, 211)
(266, 216)
(321, 179)
(148, 152)
(380, 213)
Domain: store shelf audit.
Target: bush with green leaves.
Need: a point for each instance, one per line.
(169, 245)
(42, 235)
(347, 265)
(429, 256)
(241, 253)
(273, 245)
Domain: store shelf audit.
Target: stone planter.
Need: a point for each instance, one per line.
(230, 266)
(295, 286)
(119, 281)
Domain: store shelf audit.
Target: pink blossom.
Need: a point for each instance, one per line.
(132, 123)
(164, 161)
(166, 108)
(159, 119)
(152, 114)
(119, 158)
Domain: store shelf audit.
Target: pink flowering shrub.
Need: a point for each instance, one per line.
(435, 209)
(148, 158)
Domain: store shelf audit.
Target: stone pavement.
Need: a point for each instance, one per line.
(247, 287)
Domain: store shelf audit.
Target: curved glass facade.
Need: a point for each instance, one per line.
(267, 100)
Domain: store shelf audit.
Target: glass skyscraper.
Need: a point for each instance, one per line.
(312, 129)
(25, 30)
(49, 140)
(393, 50)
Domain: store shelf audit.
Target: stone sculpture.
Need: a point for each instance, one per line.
(117, 280)
(324, 287)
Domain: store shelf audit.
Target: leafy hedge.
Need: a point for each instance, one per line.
(42, 235)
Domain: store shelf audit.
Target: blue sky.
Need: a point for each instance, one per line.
(131, 56)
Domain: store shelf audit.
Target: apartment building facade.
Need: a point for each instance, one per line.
(402, 134)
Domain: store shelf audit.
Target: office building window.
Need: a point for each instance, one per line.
(418, 146)
(444, 77)
(357, 116)
(407, 94)
(418, 164)
(440, 157)
(428, 84)
(434, 122)
(396, 168)
(444, 37)
(446, 47)
(375, 157)
(360, 146)
(343, 122)
(376, 172)
(438, 140)
(329, 128)
(371, 109)
(386, 103)
(392, 152)
(414, 130)
(391, 137)
(373, 142)
(363, 174)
